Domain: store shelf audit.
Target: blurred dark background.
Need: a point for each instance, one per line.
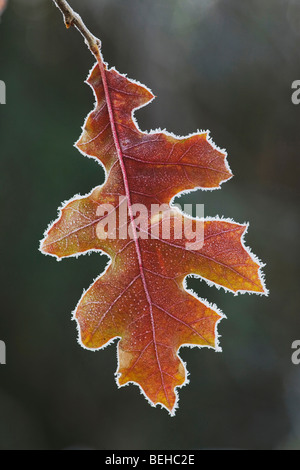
(223, 65)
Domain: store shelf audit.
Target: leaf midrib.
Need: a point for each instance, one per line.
(127, 192)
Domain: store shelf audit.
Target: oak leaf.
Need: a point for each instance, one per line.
(142, 298)
(2, 6)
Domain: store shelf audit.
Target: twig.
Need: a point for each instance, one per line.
(71, 18)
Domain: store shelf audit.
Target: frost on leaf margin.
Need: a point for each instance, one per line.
(142, 298)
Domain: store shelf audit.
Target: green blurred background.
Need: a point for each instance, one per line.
(223, 65)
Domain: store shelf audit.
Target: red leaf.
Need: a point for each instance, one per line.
(142, 297)
(2, 6)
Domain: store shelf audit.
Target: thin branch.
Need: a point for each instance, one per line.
(71, 18)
